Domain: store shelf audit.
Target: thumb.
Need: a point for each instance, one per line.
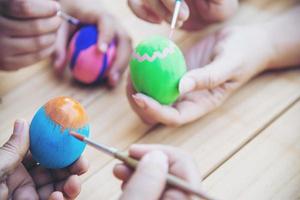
(149, 179)
(209, 76)
(14, 150)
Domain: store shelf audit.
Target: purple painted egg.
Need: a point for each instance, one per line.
(87, 63)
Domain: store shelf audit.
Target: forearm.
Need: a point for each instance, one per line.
(284, 34)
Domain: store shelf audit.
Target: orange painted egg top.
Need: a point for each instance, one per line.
(66, 112)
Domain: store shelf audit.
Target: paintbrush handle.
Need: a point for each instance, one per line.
(171, 179)
(123, 156)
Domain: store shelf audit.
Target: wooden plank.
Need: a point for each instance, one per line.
(214, 138)
(114, 123)
(236, 108)
(266, 168)
(10, 80)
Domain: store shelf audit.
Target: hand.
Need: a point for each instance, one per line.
(204, 13)
(155, 11)
(148, 181)
(22, 178)
(109, 29)
(193, 15)
(218, 66)
(27, 31)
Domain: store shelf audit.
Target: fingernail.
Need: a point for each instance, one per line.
(19, 126)
(103, 47)
(139, 101)
(186, 85)
(157, 157)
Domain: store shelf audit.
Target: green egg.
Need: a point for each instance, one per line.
(156, 67)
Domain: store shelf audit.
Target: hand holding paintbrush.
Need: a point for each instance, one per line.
(133, 164)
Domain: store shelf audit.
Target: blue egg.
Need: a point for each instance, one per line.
(51, 144)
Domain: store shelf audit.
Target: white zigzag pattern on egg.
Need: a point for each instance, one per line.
(155, 55)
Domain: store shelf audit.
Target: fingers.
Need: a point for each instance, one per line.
(3, 191)
(158, 10)
(122, 172)
(142, 12)
(80, 166)
(153, 110)
(149, 178)
(29, 28)
(56, 196)
(14, 150)
(175, 194)
(184, 11)
(29, 8)
(43, 176)
(209, 76)
(216, 11)
(124, 49)
(28, 44)
(173, 154)
(180, 163)
(189, 108)
(139, 111)
(21, 184)
(106, 32)
(16, 62)
(69, 188)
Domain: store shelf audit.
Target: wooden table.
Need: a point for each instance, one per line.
(249, 148)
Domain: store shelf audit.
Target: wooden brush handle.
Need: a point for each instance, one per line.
(123, 156)
(171, 179)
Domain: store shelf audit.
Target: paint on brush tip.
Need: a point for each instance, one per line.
(66, 112)
(77, 135)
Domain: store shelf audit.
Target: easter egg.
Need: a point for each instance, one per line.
(156, 67)
(51, 145)
(87, 63)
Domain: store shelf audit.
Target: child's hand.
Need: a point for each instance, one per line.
(27, 31)
(218, 65)
(193, 14)
(91, 12)
(22, 178)
(205, 12)
(149, 179)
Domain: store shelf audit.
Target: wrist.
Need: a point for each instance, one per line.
(285, 42)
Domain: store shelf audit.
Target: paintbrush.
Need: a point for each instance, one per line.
(175, 16)
(68, 18)
(132, 163)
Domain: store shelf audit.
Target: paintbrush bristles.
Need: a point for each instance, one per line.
(77, 136)
(108, 150)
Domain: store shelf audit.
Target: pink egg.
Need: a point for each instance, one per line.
(87, 63)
